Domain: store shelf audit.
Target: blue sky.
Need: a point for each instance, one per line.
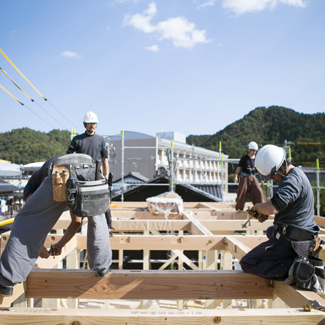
(190, 66)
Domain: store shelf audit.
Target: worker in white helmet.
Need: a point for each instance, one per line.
(248, 182)
(90, 143)
(289, 254)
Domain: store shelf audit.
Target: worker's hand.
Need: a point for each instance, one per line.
(255, 208)
(106, 177)
(44, 253)
(262, 218)
(55, 249)
(262, 183)
(236, 179)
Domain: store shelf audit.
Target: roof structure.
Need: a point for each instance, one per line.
(9, 170)
(160, 185)
(6, 187)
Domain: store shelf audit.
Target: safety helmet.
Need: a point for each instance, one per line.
(90, 117)
(253, 146)
(269, 159)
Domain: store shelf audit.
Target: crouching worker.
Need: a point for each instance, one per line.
(43, 208)
(290, 254)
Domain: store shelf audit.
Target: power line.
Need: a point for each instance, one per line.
(61, 113)
(31, 98)
(25, 106)
(33, 85)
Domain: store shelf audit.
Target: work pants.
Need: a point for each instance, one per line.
(29, 231)
(249, 184)
(270, 260)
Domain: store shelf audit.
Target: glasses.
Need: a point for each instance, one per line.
(272, 173)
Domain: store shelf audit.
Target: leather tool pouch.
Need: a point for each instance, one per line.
(85, 195)
(303, 271)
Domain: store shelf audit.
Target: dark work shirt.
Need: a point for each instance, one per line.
(294, 200)
(37, 178)
(247, 165)
(92, 145)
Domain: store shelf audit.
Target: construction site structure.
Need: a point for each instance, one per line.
(198, 282)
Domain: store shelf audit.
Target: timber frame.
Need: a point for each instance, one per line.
(207, 292)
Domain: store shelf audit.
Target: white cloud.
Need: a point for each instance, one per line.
(208, 3)
(153, 48)
(242, 6)
(69, 54)
(179, 30)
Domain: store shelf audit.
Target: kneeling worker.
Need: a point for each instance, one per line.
(39, 215)
(289, 252)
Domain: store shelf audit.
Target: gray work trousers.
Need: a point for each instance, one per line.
(29, 231)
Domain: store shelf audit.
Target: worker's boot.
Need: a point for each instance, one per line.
(7, 292)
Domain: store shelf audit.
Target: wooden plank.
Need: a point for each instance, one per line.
(152, 225)
(118, 214)
(40, 316)
(234, 225)
(19, 290)
(122, 284)
(162, 242)
(197, 224)
(52, 261)
(293, 296)
(235, 247)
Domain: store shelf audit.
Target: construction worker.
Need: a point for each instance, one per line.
(248, 182)
(90, 143)
(289, 252)
(93, 145)
(36, 219)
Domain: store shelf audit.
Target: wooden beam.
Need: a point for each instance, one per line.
(52, 261)
(197, 224)
(19, 289)
(121, 284)
(152, 225)
(135, 214)
(234, 225)
(295, 297)
(39, 316)
(235, 247)
(159, 243)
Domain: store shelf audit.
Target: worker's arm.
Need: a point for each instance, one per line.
(264, 210)
(74, 226)
(105, 166)
(236, 174)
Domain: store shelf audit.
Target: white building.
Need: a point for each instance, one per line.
(150, 155)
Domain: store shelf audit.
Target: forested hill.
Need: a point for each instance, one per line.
(24, 146)
(262, 125)
(272, 125)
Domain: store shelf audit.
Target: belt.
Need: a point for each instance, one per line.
(294, 233)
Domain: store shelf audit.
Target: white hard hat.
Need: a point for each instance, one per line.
(269, 159)
(253, 146)
(90, 117)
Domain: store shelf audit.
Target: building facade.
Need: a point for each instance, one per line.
(153, 156)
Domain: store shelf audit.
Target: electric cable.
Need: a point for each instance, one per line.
(16, 85)
(32, 98)
(33, 85)
(61, 114)
(21, 73)
(25, 106)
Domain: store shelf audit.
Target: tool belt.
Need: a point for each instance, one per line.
(294, 233)
(84, 189)
(307, 270)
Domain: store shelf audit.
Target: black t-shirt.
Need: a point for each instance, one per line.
(247, 165)
(91, 145)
